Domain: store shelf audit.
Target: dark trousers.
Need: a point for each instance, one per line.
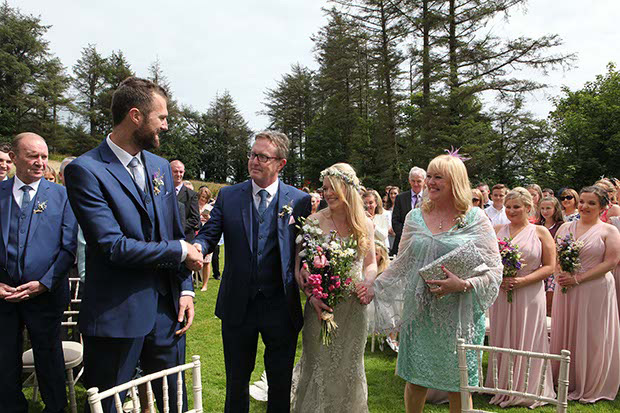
(42, 318)
(270, 318)
(215, 262)
(112, 361)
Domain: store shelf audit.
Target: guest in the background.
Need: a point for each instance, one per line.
(612, 209)
(374, 209)
(496, 212)
(585, 317)
(550, 218)
(5, 161)
(315, 201)
(522, 323)
(484, 189)
(548, 192)
(187, 197)
(476, 198)
(569, 199)
(50, 174)
(405, 202)
(189, 185)
(386, 195)
(205, 207)
(61, 170)
(388, 208)
(537, 195)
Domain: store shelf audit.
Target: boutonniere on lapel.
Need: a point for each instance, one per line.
(158, 182)
(286, 210)
(40, 207)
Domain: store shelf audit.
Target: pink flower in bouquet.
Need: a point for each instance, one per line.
(320, 261)
(337, 284)
(347, 281)
(332, 287)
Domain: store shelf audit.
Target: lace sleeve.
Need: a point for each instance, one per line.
(390, 287)
(486, 286)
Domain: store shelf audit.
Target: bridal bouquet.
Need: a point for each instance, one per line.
(329, 260)
(511, 259)
(568, 255)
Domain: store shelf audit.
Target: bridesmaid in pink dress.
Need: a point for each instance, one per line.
(585, 318)
(522, 324)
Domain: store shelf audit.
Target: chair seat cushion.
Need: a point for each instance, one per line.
(71, 350)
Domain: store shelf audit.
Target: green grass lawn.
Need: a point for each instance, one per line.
(385, 390)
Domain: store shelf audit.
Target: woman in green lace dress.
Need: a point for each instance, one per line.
(431, 322)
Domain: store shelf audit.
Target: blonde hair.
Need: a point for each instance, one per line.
(454, 169)
(385, 259)
(522, 195)
(475, 192)
(338, 176)
(378, 201)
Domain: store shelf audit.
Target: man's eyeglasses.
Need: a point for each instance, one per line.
(564, 198)
(261, 158)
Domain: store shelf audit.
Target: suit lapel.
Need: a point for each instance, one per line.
(40, 199)
(149, 165)
(246, 211)
(121, 174)
(284, 198)
(6, 198)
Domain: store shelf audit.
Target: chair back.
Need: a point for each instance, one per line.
(95, 398)
(561, 400)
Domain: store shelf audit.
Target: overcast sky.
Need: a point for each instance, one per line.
(245, 46)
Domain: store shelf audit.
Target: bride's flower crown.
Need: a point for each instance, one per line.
(343, 176)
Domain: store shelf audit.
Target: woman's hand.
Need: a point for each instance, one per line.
(365, 292)
(319, 306)
(452, 284)
(566, 280)
(512, 283)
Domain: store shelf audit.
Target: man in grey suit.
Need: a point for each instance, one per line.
(187, 197)
(405, 202)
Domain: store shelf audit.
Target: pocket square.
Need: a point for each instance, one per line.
(291, 220)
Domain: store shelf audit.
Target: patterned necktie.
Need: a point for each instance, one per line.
(414, 200)
(137, 173)
(262, 206)
(26, 197)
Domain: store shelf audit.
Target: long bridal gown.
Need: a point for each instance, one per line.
(332, 378)
(585, 321)
(521, 325)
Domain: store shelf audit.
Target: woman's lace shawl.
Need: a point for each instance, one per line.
(401, 294)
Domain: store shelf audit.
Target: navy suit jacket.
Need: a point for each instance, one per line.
(51, 243)
(122, 261)
(231, 216)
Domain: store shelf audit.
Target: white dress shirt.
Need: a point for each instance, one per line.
(272, 190)
(497, 216)
(124, 157)
(18, 194)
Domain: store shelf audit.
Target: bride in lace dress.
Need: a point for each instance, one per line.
(332, 378)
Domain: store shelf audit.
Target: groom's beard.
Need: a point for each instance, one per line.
(145, 138)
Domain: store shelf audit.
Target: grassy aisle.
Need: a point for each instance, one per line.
(385, 390)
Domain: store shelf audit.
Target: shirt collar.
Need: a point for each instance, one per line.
(121, 154)
(178, 188)
(271, 189)
(17, 184)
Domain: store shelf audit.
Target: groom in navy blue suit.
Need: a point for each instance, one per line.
(39, 238)
(258, 293)
(138, 295)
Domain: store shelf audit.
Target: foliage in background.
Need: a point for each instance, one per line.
(397, 83)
